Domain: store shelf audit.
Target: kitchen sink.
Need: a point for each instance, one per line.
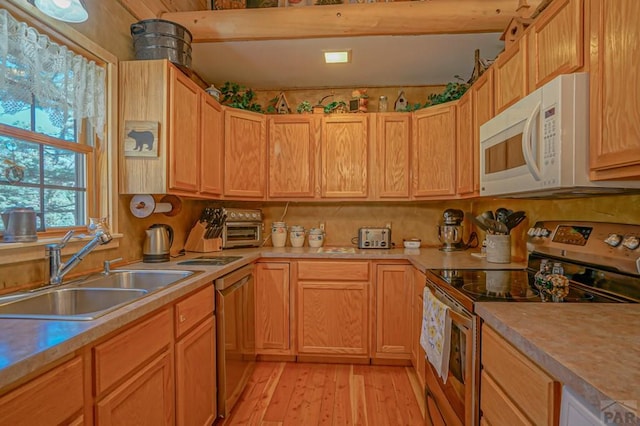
(211, 260)
(69, 303)
(134, 279)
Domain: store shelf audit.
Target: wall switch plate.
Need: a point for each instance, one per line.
(322, 226)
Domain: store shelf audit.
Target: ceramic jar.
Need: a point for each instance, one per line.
(316, 237)
(278, 234)
(296, 235)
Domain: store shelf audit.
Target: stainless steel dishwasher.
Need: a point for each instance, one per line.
(235, 335)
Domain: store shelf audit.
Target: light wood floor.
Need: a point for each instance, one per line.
(305, 394)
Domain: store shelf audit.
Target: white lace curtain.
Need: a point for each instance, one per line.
(65, 84)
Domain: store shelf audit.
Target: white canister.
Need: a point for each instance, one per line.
(278, 234)
(316, 237)
(498, 248)
(296, 235)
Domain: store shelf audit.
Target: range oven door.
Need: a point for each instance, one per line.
(454, 402)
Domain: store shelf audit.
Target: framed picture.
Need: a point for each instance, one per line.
(140, 138)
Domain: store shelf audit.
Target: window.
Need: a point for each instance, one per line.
(52, 109)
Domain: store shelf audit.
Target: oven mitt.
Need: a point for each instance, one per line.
(435, 337)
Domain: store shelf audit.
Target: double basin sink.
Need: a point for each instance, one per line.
(89, 298)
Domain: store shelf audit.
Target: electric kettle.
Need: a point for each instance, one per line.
(19, 225)
(157, 243)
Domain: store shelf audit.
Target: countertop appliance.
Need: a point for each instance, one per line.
(539, 146)
(157, 243)
(241, 228)
(450, 232)
(374, 238)
(601, 261)
(235, 330)
(19, 225)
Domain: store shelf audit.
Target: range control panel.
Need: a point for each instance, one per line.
(613, 244)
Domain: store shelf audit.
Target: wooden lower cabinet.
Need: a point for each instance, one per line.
(196, 376)
(513, 389)
(394, 291)
(273, 313)
(417, 352)
(333, 300)
(54, 398)
(144, 399)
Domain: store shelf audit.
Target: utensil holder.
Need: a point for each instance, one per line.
(197, 243)
(498, 248)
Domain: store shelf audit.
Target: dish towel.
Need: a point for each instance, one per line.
(435, 337)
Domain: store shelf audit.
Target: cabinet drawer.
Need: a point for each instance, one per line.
(47, 400)
(496, 407)
(341, 271)
(121, 355)
(529, 387)
(194, 309)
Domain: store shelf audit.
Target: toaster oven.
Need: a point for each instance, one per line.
(242, 228)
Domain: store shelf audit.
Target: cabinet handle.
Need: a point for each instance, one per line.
(182, 318)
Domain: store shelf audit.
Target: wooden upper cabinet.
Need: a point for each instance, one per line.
(510, 75)
(184, 146)
(211, 146)
(434, 151)
(556, 42)
(483, 111)
(293, 145)
(465, 147)
(345, 156)
(391, 174)
(614, 111)
(245, 151)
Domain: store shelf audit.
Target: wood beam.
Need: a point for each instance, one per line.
(369, 19)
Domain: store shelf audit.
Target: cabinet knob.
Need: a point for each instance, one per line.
(182, 318)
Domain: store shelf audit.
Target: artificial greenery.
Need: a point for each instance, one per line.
(236, 96)
(271, 109)
(333, 106)
(305, 106)
(453, 91)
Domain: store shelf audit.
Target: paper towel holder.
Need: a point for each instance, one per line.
(144, 205)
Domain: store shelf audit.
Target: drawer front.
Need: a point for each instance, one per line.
(529, 387)
(47, 400)
(194, 309)
(121, 355)
(496, 407)
(340, 271)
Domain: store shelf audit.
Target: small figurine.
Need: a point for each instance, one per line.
(360, 100)
(401, 102)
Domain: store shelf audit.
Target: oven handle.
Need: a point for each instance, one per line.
(458, 314)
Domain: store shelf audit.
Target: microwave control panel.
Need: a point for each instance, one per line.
(549, 133)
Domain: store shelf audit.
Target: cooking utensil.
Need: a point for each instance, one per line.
(496, 227)
(488, 215)
(479, 222)
(514, 219)
(502, 213)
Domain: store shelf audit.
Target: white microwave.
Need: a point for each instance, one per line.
(539, 146)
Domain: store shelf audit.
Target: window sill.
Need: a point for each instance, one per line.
(24, 252)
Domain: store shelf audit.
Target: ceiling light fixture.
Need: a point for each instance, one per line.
(337, 56)
(73, 11)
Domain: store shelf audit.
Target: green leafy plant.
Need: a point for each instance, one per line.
(412, 107)
(271, 109)
(334, 106)
(305, 106)
(453, 91)
(237, 96)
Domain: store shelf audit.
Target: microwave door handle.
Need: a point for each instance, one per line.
(526, 144)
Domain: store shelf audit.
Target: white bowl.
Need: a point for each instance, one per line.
(412, 243)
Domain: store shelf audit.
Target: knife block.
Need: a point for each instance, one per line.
(198, 243)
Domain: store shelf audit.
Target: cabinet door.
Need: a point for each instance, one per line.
(196, 376)
(434, 153)
(391, 175)
(293, 144)
(483, 111)
(465, 147)
(211, 146)
(417, 352)
(145, 399)
(244, 154)
(614, 110)
(333, 318)
(345, 156)
(51, 399)
(510, 75)
(273, 308)
(184, 140)
(394, 290)
(556, 42)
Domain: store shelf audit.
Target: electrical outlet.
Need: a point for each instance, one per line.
(388, 225)
(322, 226)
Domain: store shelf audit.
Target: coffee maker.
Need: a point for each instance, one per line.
(450, 232)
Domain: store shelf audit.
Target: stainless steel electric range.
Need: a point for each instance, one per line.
(600, 260)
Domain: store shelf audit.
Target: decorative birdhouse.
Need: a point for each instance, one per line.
(514, 30)
(401, 102)
(282, 106)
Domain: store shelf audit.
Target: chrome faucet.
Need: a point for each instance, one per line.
(57, 269)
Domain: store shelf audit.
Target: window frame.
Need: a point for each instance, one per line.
(102, 163)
